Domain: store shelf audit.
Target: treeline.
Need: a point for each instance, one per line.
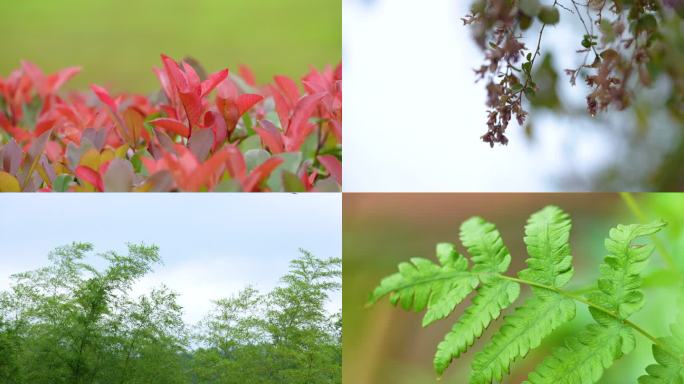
(73, 323)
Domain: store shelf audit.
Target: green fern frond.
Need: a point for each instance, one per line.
(423, 284)
(585, 356)
(485, 246)
(550, 264)
(490, 256)
(439, 288)
(670, 363)
(485, 307)
(522, 331)
(547, 235)
(619, 279)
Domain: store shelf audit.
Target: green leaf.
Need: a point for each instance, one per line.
(619, 279)
(252, 142)
(584, 357)
(486, 306)
(549, 15)
(668, 370)
(423, 284)
(292, 183)
(546, 236)
(484, 243)
(291, 162)
(527, 66)
(669, 367)
(522, 331)
(61, 182)
(530, 7)
(254, 157)
(647, 23)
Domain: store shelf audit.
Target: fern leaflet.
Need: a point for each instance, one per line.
(670, 364)
(550, 264)
(422, 284)
(486, 306)
(584, 357)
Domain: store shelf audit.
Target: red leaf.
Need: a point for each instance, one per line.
(104, 96)
(246, 74)
(55, 81)
(213, 80)
(270, 136)
(36, 75)
(193, 105)
(235, 163)
(227, 90)
(44, 123)
(174, 73)
(215, 121)
(191, 76)
(165, 82)
(247, 101)
(91, 176)
(289, 87)
(171, 125)
(208, 173)
(303, 111)
(260, 173)
(283, 108)
(333, 165)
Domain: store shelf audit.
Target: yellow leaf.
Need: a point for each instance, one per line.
(121, 151)
(105, 156)
(143, 188)
(60, 168)
(8, 183)
(43, 174)
(91, 159)
(134, 121)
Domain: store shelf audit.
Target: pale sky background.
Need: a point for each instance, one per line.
(414, 114)
(212, 245)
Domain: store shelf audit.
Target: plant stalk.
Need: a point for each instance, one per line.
(608, 312)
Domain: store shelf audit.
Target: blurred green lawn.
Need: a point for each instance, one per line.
(118, 42)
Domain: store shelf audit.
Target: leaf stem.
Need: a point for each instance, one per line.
(581, 299)
(633, 206)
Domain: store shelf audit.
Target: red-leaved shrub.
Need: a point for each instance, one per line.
(246, 137)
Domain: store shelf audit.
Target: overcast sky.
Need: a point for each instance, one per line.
(212, 245)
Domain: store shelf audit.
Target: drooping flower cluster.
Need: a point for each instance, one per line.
(623, 46)
(247, 137)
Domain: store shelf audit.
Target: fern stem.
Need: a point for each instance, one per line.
(633, 206)
(581, 299)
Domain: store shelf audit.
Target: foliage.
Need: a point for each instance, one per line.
(283, 336)
(248, 138)
(70, 322)
(584, 356)
(624, 46)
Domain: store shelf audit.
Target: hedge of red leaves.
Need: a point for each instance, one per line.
(245, 137)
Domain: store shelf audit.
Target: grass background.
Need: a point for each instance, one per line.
(118, 42)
